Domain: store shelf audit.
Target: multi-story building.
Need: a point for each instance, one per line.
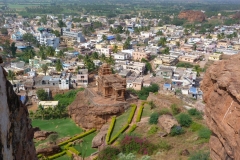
(64, 81)
(166, 60)
(82, 77)
(140, 53)
(75, 35)
(48, 39)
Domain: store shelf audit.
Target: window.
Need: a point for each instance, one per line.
(82, 76)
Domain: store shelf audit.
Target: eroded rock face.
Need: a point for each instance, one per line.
(49, 150)
(221, 88)
(99, 139)
(192, 16)
(42, 135)
(16, 132)
(89, 116)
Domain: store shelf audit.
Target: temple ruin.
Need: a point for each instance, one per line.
(111, 85)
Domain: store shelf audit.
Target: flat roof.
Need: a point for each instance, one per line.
(48, 103)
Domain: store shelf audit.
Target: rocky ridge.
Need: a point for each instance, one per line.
(221, 88)
(16, 132)
(192, 16)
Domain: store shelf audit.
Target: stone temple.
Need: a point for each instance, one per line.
(110, 85)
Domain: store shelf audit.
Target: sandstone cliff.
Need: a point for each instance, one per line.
(192, 16)
(221, 88)
(90, 116)
(16, 133)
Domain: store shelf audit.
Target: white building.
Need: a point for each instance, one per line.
(121, 56)
(64, 81)
(48, 39)
(76, 35)
(19, 64)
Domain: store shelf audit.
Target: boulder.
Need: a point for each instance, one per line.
(167, 122)
(42, 135)
(99, 139)
(49, 150)
(184, 152)
(192, 16)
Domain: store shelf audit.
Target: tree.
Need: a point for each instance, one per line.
(95, 55)
(42, 95)
(178, 44)
(104, 37)
(159, 33)
(72, 25)
(28, 37)
(59, 66)
(162, 42)
(152, 105)
(197, 69)
(41, 52)
(61, 24)
(118, 37)
(184, 119)
(127, 32)
(166, 50)
(194, 46)
(154, 118)
(61, 54)
(13, 49)
(185, 31)
(44, 68)
(11, 75)
(4, 31)
(41, 111)
(56, 32)
(50, 51)
(115, 49)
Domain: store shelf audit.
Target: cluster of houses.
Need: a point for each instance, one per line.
(191, 47)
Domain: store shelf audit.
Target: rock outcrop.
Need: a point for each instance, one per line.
(221, 88)
(90, 116)
(167, 122)
(49, 150)
(192, 16)
(99, 139)
(16, 132)
(42, 135)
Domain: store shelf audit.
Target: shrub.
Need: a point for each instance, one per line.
(204, 133)
(57, 155)
(154, 118)
(110, 129)
(136, 144)
(146, 157)
(139, 114)
(39, 156)
(175, 109)
(118, 134)
(129, 156)
(195, 126)
(176, 130)
(163, 145)
(77, 137)
(74, 150)
(134, 107)
(194, 112)
(184, 119)
(165, 111)
(200, 155)
(153, 129)
(132, 128)
(109, 153)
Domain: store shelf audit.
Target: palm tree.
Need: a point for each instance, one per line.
(44, 68)
(162, 41)
(11, 75)
(59, 66)
(197, 69)
(104, 37)
(41, 53)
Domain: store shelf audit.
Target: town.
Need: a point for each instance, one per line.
(65, 66)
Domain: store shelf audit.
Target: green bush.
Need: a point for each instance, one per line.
(118, 134)
(134, 107)
(195, 127)
(139, 114)
(204, 133)
(194, 112)
(129, 156)
(153, 129)
(69, 154)
(74, 150)
(176, 130)
(175, 109)
(184, 119)
(57, 155)
(144, 92)
(132, 128)
(110, 129)
(184, 64)
(39, 156)
(154, 118)
(200, 155)
(165, 111)
(77, 137)
(163, 145)
(109, 153)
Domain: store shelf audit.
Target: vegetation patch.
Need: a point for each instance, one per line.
(139, 114)
(110, 129)
(195, 126)
(200, 155)
(134, 107)
(204, 133)
(154, 118)
(184, 119)
(153, 130)
(109, 153)
(176, 130)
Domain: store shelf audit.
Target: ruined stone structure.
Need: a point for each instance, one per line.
(111, 85)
